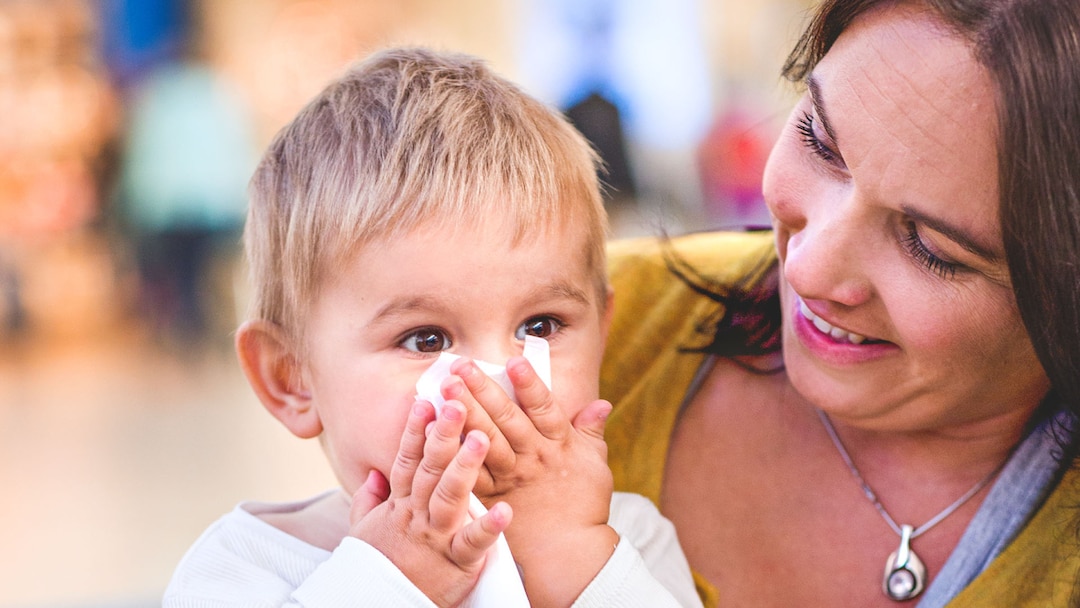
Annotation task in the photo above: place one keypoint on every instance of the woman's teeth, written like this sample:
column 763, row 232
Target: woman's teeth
column 825, row 328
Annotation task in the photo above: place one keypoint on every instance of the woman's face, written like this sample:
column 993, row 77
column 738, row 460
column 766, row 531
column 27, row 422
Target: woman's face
column 898, row 308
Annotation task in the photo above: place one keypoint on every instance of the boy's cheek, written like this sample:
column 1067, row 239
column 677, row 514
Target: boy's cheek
column 576, row 383
column 368, row 436
column 354, row 472
column 574, row 400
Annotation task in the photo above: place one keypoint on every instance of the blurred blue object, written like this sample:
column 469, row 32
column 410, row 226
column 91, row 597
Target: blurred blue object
column 139, row 35
column 646, row 57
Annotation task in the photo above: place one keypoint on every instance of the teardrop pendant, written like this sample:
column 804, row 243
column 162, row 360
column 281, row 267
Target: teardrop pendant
column 905, row 574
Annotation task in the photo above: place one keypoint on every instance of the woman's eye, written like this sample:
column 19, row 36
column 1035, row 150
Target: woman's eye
column 427, row 340
column 541, row 327
column 918, row 250
column 809, row 137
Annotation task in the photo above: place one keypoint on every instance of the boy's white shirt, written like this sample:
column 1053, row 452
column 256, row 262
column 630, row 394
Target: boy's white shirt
column 243, row 561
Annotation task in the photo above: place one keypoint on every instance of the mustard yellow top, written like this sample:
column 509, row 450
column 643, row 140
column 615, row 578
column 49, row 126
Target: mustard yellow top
column 646, row 377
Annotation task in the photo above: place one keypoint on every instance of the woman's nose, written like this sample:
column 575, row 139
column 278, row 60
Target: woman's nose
column 825, row 253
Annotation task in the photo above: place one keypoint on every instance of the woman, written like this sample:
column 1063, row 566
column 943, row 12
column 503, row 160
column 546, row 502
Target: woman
column 897, row 431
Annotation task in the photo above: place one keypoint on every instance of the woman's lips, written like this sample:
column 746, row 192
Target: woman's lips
column 835, row 345
column 837, row 333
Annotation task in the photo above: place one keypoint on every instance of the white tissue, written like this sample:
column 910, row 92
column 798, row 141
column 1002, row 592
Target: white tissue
column 536, row 352
column 500, row 583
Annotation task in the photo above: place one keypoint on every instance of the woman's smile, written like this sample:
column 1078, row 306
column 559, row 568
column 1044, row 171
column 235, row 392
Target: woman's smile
column 831, row 344
column 836, row 333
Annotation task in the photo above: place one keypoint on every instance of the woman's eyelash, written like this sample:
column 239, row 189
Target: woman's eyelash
column 805, row 127
column 917, row 249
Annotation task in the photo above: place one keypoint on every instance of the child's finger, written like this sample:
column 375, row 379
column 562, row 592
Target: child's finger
column 472, row 542
column 411, row 448
column 500, row 456
column 510, row 423
column 443, row 443
column 536, row 400
column 374, row 492
column 450, row 501
column 591, row 420
column 478, row 416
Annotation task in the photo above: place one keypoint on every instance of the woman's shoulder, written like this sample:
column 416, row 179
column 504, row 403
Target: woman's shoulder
column 718, row 254
column 1039, row 568
column 657, row 282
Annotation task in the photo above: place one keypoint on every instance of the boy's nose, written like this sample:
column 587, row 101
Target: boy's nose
column 495, row 352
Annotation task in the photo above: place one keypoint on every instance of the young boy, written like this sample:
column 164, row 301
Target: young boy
column 421, row 204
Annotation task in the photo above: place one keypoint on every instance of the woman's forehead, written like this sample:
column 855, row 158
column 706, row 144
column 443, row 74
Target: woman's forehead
column 913, row 113
column 904, row 64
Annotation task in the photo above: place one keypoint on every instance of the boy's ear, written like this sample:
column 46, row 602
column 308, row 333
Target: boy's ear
column 276, row 375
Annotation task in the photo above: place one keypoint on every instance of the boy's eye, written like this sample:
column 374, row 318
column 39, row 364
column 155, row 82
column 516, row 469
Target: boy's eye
column 541, row 327
column 427, row 340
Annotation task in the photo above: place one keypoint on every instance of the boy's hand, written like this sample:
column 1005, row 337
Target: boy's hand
column 552, row 471
column 417, row 520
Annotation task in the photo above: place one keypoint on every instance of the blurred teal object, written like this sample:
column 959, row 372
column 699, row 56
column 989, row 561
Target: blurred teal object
column 189, row 152
column 187, row 158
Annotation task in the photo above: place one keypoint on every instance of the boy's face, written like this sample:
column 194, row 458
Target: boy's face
column 382, row 318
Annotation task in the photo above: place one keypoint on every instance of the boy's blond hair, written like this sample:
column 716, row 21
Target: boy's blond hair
column 404, row 138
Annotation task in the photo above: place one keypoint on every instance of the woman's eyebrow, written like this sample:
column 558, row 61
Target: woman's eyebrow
column 819, row 108
column 955, row 234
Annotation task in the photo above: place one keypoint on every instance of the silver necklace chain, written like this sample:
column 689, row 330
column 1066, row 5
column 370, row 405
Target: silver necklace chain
column 935, row 520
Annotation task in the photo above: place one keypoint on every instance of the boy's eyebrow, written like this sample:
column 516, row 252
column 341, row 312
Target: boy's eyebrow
column 401, row 306
column 561, row 290
column 819, row 108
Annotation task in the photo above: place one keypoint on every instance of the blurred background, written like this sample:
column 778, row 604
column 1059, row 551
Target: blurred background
column 128, row 130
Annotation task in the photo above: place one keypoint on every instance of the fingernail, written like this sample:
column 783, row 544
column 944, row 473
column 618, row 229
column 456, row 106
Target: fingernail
column 418, row 408
column 473, row 443
column 604, row 413
column 453, row 388
column 373, row 478
column 450, row 412
column 466, row 369
column 517, row 365
column 498, row 514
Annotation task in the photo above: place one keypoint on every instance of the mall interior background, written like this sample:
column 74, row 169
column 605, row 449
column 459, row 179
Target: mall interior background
column 128, row 129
